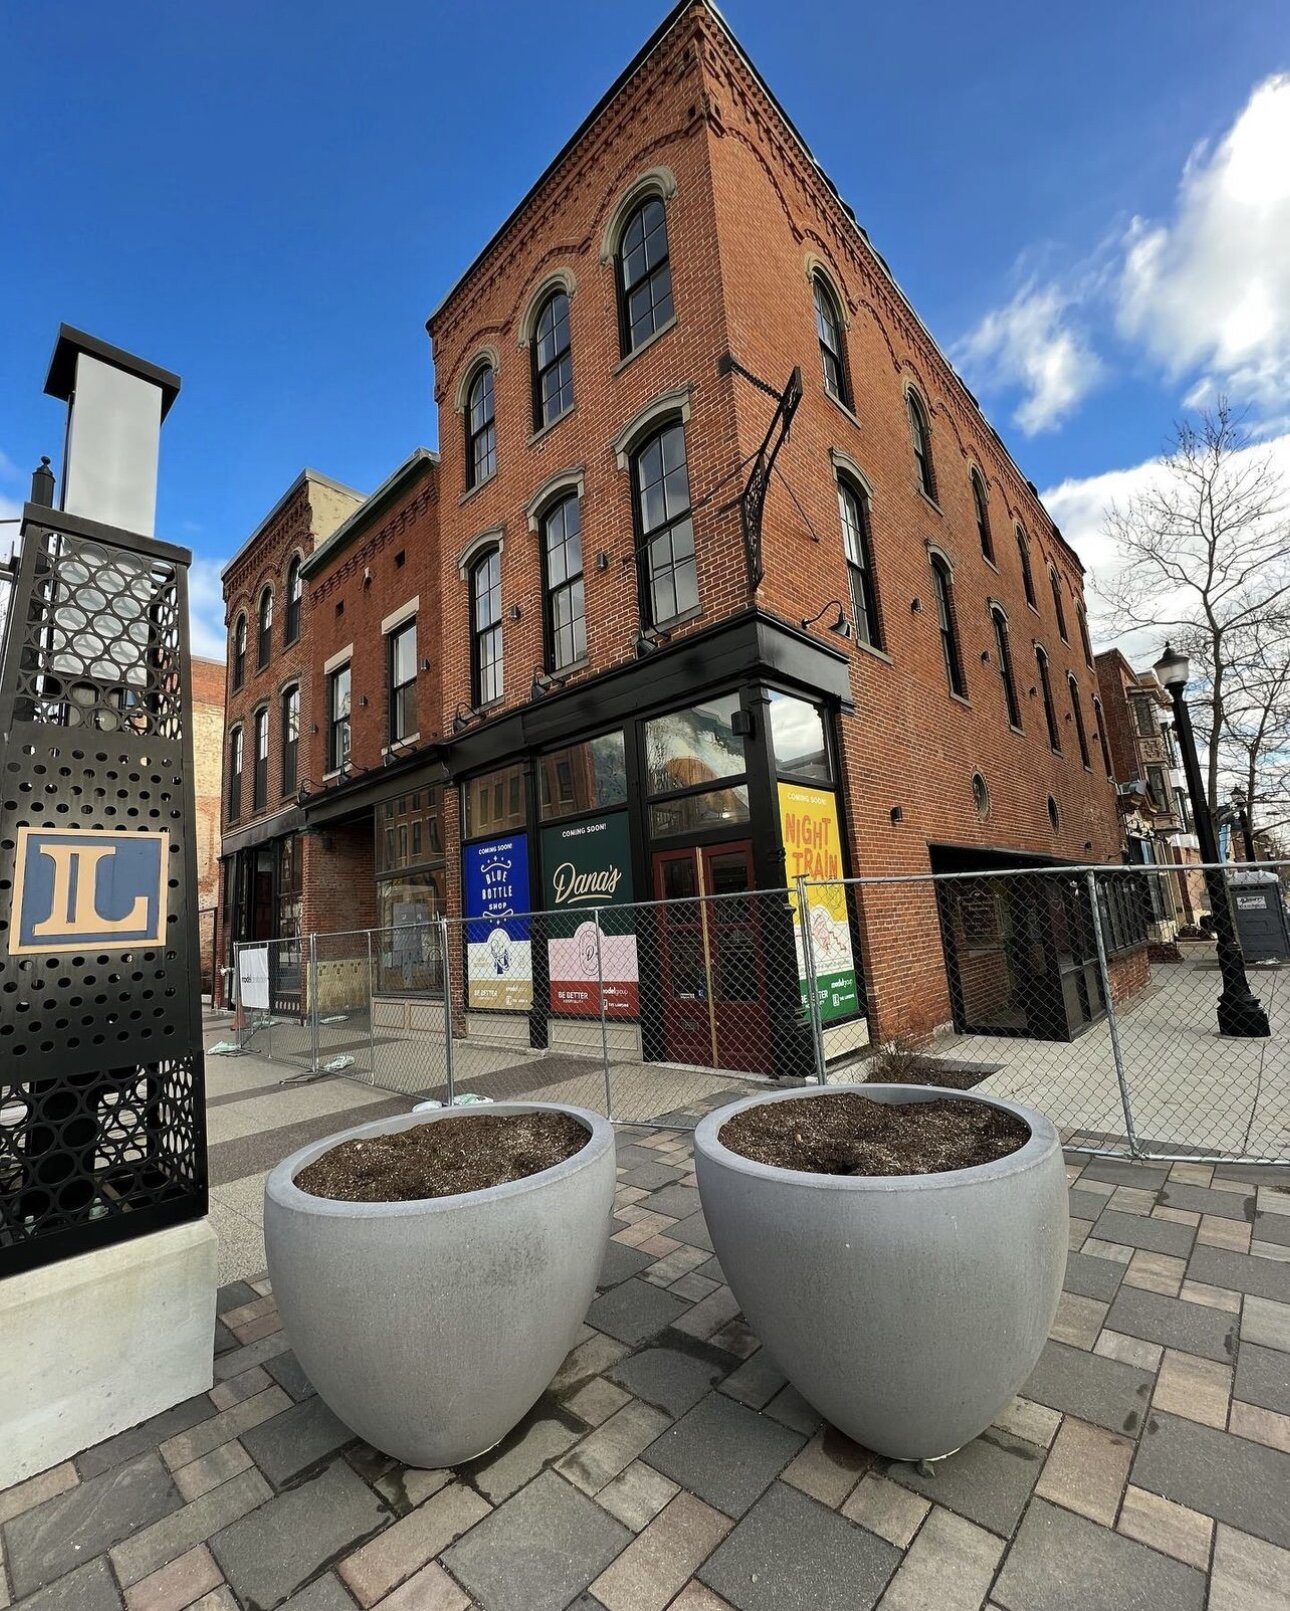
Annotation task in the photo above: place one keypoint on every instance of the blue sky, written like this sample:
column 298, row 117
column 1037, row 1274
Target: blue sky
column 1089, row 206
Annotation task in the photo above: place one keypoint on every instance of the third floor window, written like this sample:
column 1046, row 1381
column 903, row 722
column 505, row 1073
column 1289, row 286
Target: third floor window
column 853, row 511
column 1050, row 711
column 1027, row 575
column 260, row 775
column 264, row 629
column 1003, row 655
column 1077, row 711
column 481, row 428
column 552, row 362
column 921, row 433
column 982, row 509
column 295, row 590
column 338, row 685
column 943, row 582
column 403, row 682
column 1054, row 581
column 566, row 622
column 644, row 275
column 239, row 652
column 828, row 327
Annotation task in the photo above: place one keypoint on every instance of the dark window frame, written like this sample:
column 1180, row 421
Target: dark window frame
column 558, row 364
column 289, row 703
column 655, row 274
column 401, row 706
column 339, row 731
column 264, row 628
column 920, row 430
column 861, row 582
column 1077, row 711
column 1100, row 716
column 1003, row 653
column 260, row 758
column 236, row 766
column 1046, row 691
column 833, row 345
column 980, row 503
column 1081, row 617
column 570, row 585
column 1027, row 573
column 239, row 651
column 293, row 594
column 487, row 648
column 1055, row 583
column 664, row 531
column 947, row 623
column 481, row 437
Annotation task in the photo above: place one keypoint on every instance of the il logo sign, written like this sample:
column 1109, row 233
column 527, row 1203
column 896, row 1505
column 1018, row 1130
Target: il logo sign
column 75, row 891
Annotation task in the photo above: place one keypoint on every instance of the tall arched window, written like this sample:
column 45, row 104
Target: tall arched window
column 943, row 581
column 1077, row 711
column 295, row 591
column 921, row 433
column 566, row 618
column 264, row 629
column 1100, row 719
column 235, row 753
column 1003, row 655
column 665, row 530
column 982, row 516
column 481, row 428
column 1050, row 713
column 853, row 510
column 290, row 738
column 828, row 327
column 552, row 361
column 644, row 275
column 1027, row 575
column 1081, row 615
column 239, row 652
column 1055, row 583
column 486, row 627
column 260, row 769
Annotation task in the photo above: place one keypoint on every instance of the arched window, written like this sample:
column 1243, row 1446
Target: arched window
column 1027, row 575
column 644, row 275
column 552, row 361
column 566, row 619
column 982, row 516
column 853, row 510
column 264, row 629
column 486, row 628
column 1003, row 655
column 665, row 530
column 1055, row 583
column 921, row 433
column 290, row 738
column 828, row 326
column 1077, row 711
column 239, row 652
column 943, row 581
column 1100, row 719
column 260, row 772
column 1081, row 615
column 295, row 591
column 235, row 750
column 1050, row 713
column 481, row 428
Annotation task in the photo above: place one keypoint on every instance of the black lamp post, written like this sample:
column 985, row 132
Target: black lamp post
column 1240, row 804
column 1240, row 1013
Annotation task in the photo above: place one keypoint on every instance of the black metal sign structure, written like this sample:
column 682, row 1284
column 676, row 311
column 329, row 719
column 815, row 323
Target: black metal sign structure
column 102, row 1121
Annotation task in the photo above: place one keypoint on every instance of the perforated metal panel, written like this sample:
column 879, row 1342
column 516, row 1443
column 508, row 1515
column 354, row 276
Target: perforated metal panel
column 101, row 1101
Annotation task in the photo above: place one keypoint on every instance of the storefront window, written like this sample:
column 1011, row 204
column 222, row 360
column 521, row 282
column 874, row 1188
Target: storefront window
column 691, row 813
column 687, row 748
column 409, row 830
column 409, row 949
column 496, row 801
column 797, row 739
column 583, row 777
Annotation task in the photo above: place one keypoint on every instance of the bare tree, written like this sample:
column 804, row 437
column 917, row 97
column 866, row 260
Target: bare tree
column 1203, row 556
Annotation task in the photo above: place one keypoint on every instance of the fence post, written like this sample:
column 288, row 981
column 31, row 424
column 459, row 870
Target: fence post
column 1104, row 973
column 449, row 1071
column 313, row 1002
column 604, row 1028
column 371, row 1030
column 812, row 989
column 271, row 970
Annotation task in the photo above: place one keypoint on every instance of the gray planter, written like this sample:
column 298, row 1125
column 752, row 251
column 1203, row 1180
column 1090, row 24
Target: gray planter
column 908, row 1309
column 432, row 1327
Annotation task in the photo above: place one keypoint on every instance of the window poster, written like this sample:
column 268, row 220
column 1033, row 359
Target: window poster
column 808, row 820
column 499, row 968
column 586, row 865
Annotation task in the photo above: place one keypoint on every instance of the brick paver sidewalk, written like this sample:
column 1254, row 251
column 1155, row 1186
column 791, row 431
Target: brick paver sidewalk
column 1146, row 1466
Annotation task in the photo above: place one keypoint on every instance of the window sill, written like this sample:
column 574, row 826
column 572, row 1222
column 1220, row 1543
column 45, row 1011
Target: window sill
column 644, row 346
column 673, row 622
column 930, row 502
column 400, row 743
column 334, row 772
column 838, row 403
column 1033, row 608
column 1019, row 731
column 571, row 670
column 479, row 486
column 991, row 563
column 870, row 649
column 961, row 699
column 545, row 430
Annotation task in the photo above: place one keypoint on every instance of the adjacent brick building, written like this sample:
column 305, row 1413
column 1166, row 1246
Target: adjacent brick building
column 617, row 663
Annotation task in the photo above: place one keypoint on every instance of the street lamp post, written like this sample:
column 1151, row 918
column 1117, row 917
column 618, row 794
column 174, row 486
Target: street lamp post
column 1240, row 1013
column 1240, row 804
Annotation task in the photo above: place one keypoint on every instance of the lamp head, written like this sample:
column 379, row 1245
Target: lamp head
column 1172, row 669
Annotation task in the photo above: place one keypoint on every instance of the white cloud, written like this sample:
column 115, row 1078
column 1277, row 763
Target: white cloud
column 1033, row 344
column 1208, row 293
column 206, row 609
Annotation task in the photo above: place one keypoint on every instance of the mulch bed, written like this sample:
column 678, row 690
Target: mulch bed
column 441, row 1158
column 848, row 1134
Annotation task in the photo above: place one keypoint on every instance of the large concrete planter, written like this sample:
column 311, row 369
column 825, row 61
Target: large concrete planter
column 908, row 1309
column 432, row 1327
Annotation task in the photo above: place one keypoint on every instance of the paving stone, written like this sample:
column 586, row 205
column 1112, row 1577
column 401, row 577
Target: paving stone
column 1215, row 1297
column 677, row 1202
column 657, row 1563
column 170, row 1537
column 595, row 1401
column 405, row 1487
column 636, row 1495
column 1232, row 1479
column 296, row 1439
column 693, row 1232
column 176, row 1584
column 224, row 1339
column 236, row 1360
column 141, row 1439
column 541, row 1437
column 988, row 1480
column 723, row 1452
column 829, row 1467
column 1147, row 1177
column 1263, row 1426
column 1086, row 1470
column 221, row 1599
column 590, row 1358
column 634, row 1310
column 1241, row 1272
column 42, row 1544
column 693, row 1288
column 1172, row 1529
column 1139, row 1230
column 1263, row 1377
column 1078, row 1320
column 1229, row 1233
column 234, row 1296
column 182, row 1449
column 270, row 1553
column 1104, row 1391
column 674, row 1375
column 1274, row 1228
column 1060, row 1560
column 710, row 1314
column 430, row 1589
column 537, row 1551
column 611, row 1448
column 90, row 1588
column 323, row 1594
column 1200, row 1389
column 620, row 1263
column 1266, row 1323
column 949, row 1568
column 394, row 1555
column 1129, row 1350
column 200, row 1476
column 650, row 1176
column 1035, row 1423
column 1248, row 1574
column 224, row 1395
column 756, row 1381
column 1086, row 1204
column 1092, row 1278
column 790, row 1409
column 36, row 1490
column 791, row 1554
column 1192, row 1328
column 885, row 1508
column 695, row 1596
column 1156, row 1272
column 1200, row 1200
column 287, row 1371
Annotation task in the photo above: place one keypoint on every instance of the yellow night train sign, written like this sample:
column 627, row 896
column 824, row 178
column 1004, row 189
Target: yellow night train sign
column 77, row 890
column 808, row 824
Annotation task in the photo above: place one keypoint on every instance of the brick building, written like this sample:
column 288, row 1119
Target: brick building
column 612, row 678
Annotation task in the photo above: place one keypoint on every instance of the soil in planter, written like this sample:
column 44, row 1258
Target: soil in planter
column 846, row 1134
column 468, row 1152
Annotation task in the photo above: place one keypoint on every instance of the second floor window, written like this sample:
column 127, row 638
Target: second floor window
column 295, row 590
column 1003, row 654
column 1100, row 718
column 235, row 743
column 486, row 628
column 239, row 651
column 1054, row 581
column 644, row 275
column 481, row 428
column 1027, row 575
column 982, row 516
column 1077, row 711
column 921, row 433
column 290, row 740
column 260, row 776
column 828, row 327
column 1050, row 712
column 552, row 362
column 943, row 581
column 853, row 510
column 566, row 621
column 403, row 682
column 665, row 534
column 264, row 629
column 338, row 718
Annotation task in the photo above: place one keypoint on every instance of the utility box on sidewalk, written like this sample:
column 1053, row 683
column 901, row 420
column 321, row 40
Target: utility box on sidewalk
column 1260, row 910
